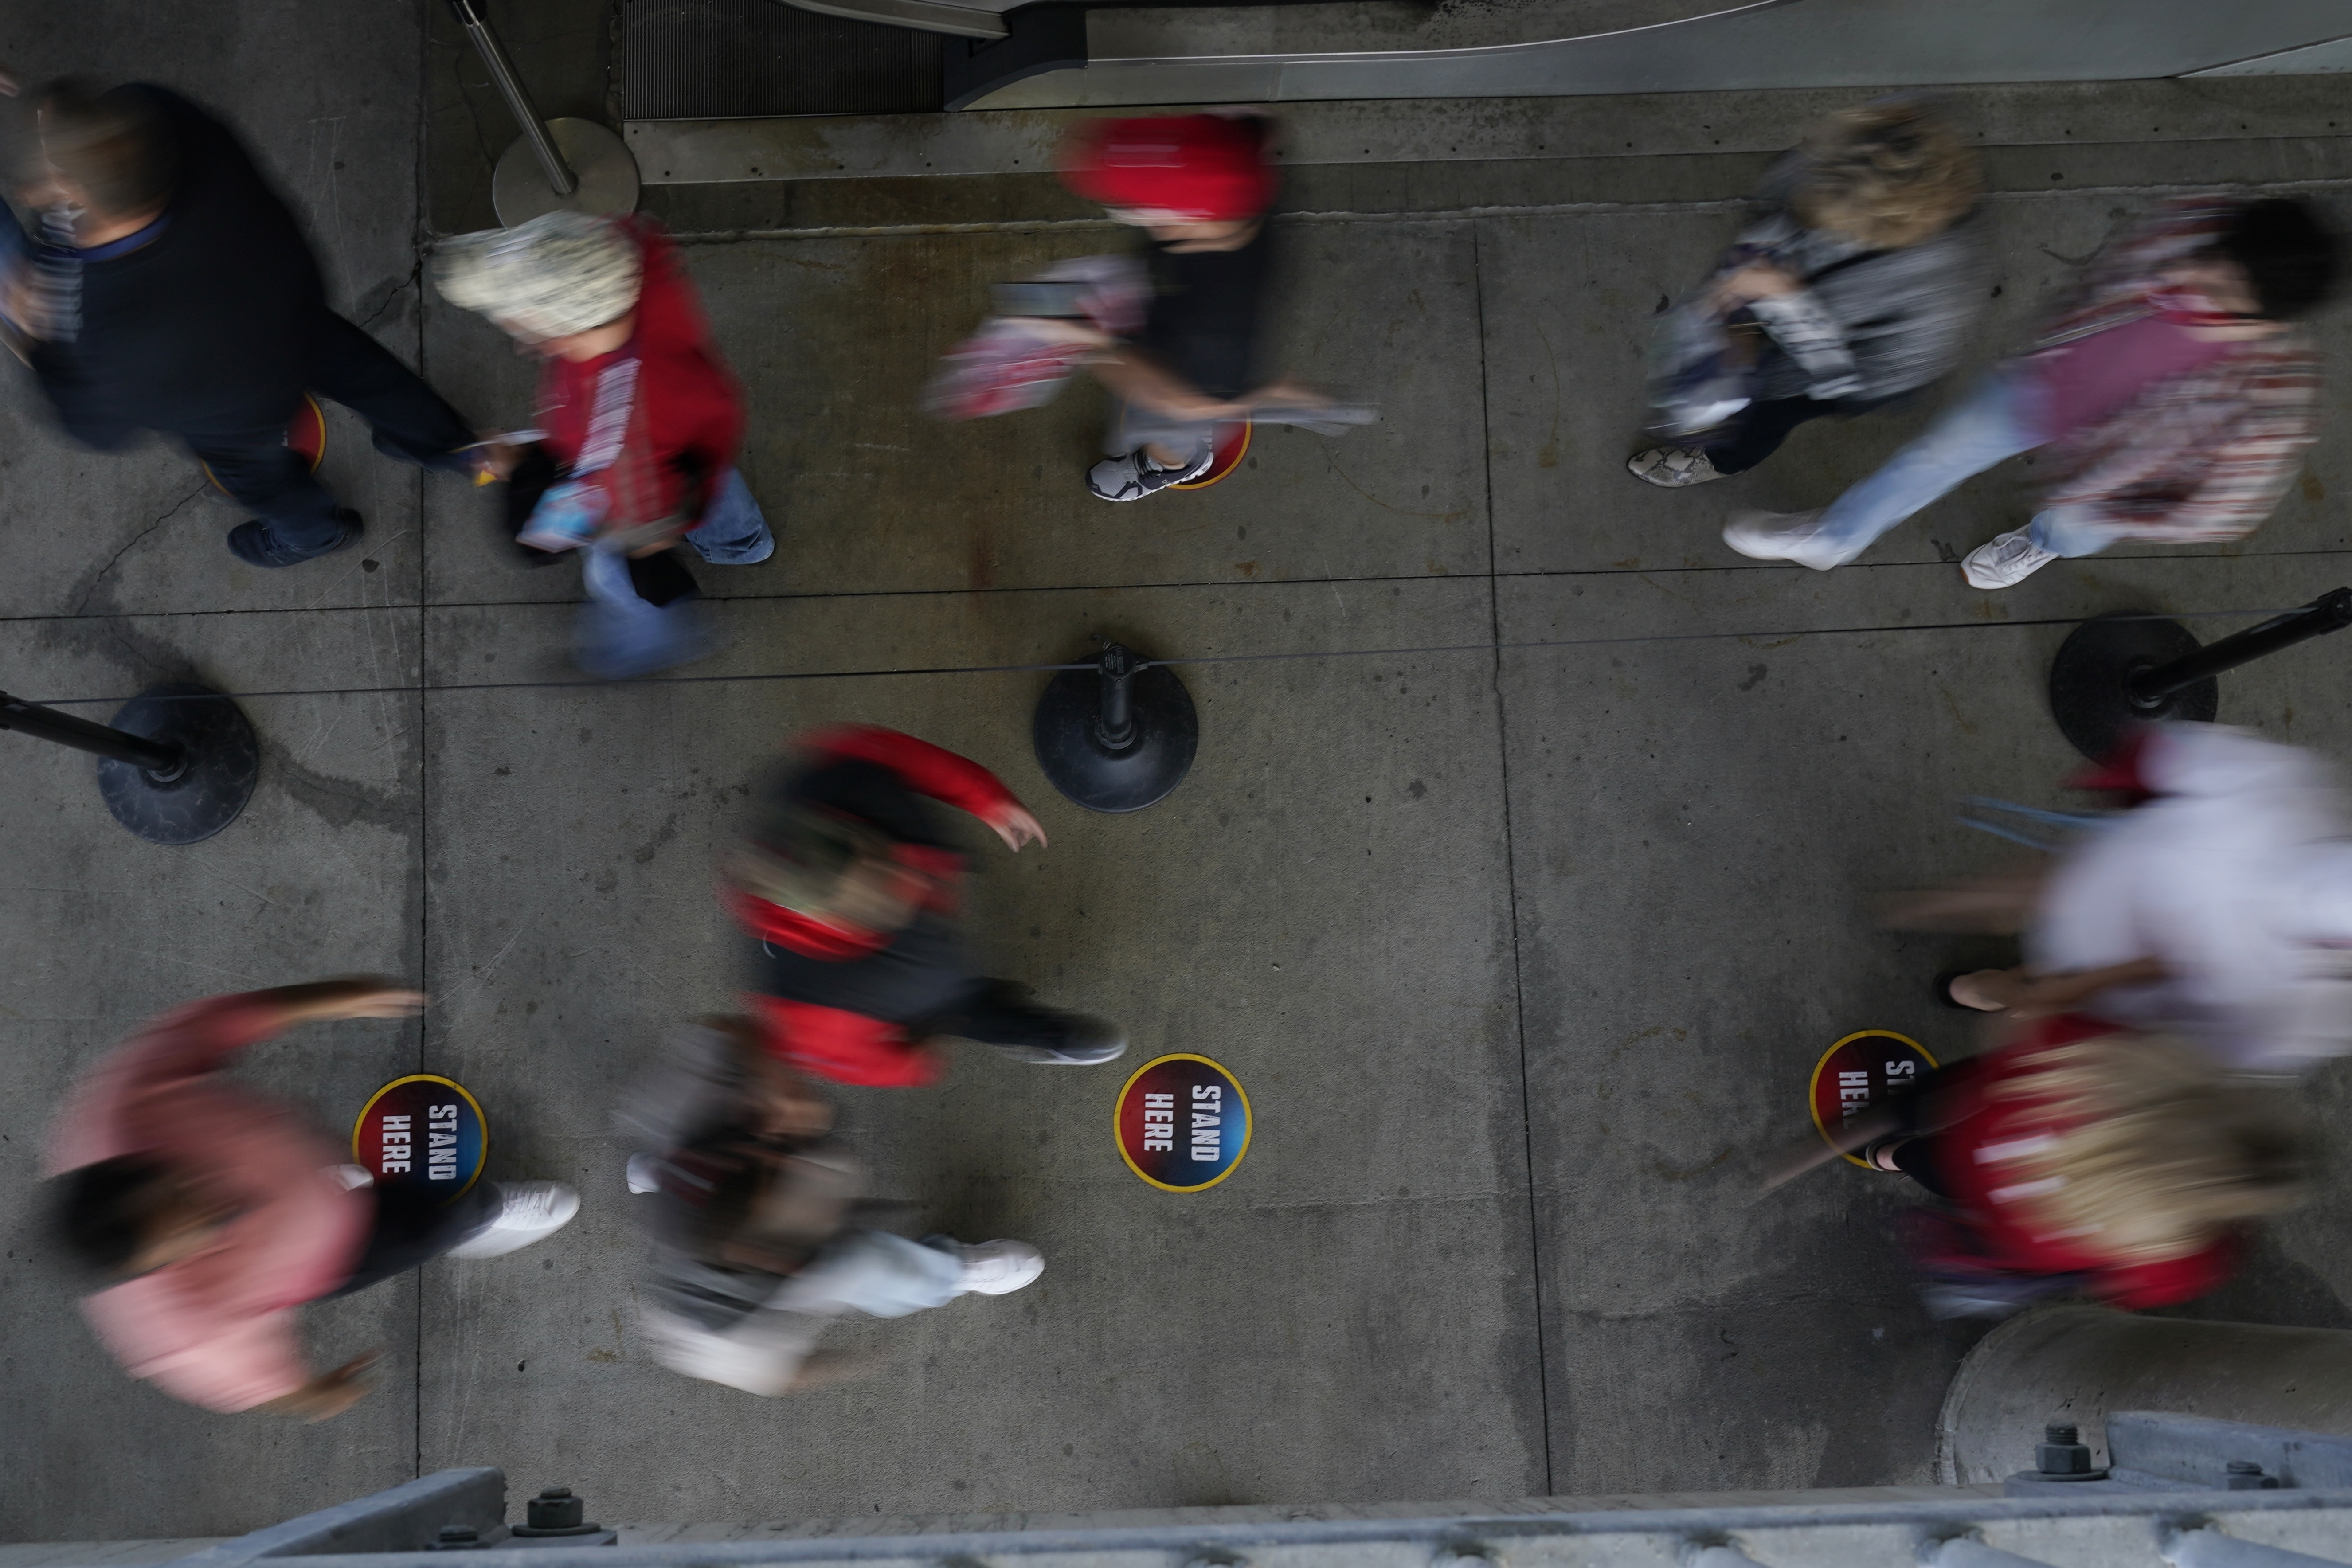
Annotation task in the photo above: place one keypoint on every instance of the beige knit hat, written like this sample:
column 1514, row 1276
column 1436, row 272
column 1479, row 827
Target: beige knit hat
column 560, row 273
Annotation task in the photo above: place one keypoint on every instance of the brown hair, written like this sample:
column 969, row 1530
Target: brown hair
column 2164, row 1153
column 1886, row 175
column 114, row 145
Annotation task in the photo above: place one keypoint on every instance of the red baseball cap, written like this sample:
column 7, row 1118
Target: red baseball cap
column 1172, row 168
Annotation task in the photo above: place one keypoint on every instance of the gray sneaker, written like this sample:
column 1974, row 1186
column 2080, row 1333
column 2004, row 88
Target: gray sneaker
column 1673, row 467
column 1135, row 475
column 2005, row 561
column 1783, row 536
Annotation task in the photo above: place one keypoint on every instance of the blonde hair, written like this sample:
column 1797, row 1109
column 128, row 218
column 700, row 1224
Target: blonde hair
column 2164, row 1150
column 1886, row 175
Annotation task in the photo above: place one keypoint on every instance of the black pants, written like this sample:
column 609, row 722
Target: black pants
column 413, row 1226
column 410, row 421
column 1761, row 428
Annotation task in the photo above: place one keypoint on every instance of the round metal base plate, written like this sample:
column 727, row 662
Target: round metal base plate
column 1167, row 733
column 224, row 761
column 2088, row 694
column 607, row 171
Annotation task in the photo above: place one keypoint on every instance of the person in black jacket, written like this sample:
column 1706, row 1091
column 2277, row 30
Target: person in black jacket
column 171, row 289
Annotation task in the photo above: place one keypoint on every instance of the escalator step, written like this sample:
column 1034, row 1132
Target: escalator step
column 716, row 60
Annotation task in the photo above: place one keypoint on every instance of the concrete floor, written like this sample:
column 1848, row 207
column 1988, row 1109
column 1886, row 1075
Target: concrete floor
column 1523, row 953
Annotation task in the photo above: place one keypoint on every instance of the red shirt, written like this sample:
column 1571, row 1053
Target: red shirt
column 216, row 1329
column 833, row 1042
column 686, row 422
column 1977, row 1161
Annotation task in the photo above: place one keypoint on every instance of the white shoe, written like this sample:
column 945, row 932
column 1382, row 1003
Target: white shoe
column 644, row 1173
column 1135, row 475
column 1673, row 467
column 528, row 1211
column 999, row 1268
column 1783, row 536
column 2005, row 561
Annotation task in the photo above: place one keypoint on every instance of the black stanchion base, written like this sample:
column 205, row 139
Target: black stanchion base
column 224, row 761
column 2089, row 693
column 1166, row 732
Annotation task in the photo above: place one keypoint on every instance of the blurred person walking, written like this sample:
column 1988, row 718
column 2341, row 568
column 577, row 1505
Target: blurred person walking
column 210, row 1213
column 847, row 882
column 757, row 1223
column 1855, row 286
column 171, row 290
column 2174, row 394
column 2218, row 905
column 1199, row 186
column 2082, row 1160
column 643, row 422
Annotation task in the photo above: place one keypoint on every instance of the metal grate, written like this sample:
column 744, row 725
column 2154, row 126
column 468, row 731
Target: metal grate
column 718, row 60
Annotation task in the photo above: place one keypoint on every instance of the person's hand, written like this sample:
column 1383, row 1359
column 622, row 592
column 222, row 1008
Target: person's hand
column 359, row 996
column 497, row 455
column 329, row 1394
column 1018, row 827
column 1756, row 280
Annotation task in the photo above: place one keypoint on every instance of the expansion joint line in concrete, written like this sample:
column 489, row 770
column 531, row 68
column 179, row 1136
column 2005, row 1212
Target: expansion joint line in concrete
column 1447, row 214
column 1511, row 884
column 1490, row 646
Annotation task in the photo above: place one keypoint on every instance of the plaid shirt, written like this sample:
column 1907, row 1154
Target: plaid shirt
column 2205, row 455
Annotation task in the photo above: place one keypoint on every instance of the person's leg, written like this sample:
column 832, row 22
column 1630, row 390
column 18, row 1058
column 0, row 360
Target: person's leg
column 1000, row 1013
column 411, row 1225
column 2070, row 531
column 410, row 420
column 2055, row 534
column 640, row 617
column 298, row 518
column 1760, row 431
column 733, row 532
column 1993, row 422
column 877, row 1273
column 1149, row 452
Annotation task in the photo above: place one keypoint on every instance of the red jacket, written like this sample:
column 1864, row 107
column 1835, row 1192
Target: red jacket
column 687, row 422
column 1985, row 1189
column 836, row 1043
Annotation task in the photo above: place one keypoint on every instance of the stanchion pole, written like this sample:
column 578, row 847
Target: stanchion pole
column 580, row 165
column 1119, row 735
column 2128, row 668
column 177, row 766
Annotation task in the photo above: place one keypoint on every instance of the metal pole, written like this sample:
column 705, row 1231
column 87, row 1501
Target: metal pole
column 158, row 760
column 2331, row 612
column 1115, row 726
column 519, row 103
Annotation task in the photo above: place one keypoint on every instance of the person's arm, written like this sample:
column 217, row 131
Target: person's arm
column 936, row 772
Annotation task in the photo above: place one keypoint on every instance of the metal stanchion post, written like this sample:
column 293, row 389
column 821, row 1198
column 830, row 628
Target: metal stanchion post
column 177, row 766
column 1118, row 736
column 553, row 164
column 2123, row 668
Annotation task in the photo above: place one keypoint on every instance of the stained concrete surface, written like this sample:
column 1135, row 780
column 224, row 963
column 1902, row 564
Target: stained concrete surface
column 1522, row 952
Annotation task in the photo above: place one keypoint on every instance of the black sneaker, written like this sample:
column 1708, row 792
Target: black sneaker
column 253, row 544
column 1006, row 1018
column 1135, row 475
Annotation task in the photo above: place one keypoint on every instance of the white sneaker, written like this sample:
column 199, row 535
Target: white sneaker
column 1135, row 475
column 1673, row 467
column 1783, row 536
column 528, row 1211
column 644, row 1173
column 999, row 1268
column 2005, row 561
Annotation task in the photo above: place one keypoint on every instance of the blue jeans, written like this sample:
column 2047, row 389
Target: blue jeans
column 2000, row 417
column 732, row 531
column 622, row 636
column 877, row 1273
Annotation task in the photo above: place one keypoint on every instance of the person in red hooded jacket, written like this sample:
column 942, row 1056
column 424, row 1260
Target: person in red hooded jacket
column 847, row 882
column 642, row 423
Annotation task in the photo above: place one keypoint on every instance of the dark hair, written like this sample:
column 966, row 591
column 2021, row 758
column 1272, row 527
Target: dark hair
column 101, row 1213
column 2288, row 254
column 115, row 145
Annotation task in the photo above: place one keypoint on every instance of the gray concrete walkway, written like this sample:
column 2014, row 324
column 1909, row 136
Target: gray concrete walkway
column 1521, row 952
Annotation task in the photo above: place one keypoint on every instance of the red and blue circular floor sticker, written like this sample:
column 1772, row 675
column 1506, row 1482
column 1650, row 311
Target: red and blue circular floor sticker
column 423, row 1130
column 1182, row 1124
column 1866, row 1069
